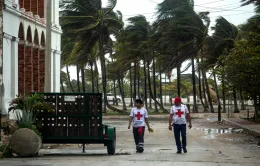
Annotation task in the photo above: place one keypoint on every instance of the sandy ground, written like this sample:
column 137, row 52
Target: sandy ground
column 209, row 143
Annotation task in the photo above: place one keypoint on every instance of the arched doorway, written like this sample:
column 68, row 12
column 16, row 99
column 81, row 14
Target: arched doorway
column 21, row 60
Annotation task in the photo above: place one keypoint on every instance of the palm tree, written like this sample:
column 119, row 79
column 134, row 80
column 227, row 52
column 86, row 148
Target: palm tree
column 242, row 59
column 92, row 24
column 181, row 32
column 63, row 79
column 67, row 45
column 136, row 34
column 217, row 45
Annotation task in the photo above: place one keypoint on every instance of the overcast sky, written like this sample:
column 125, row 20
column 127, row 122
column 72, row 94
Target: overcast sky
column 229, row 9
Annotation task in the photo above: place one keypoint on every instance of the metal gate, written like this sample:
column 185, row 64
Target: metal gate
column 76, row 117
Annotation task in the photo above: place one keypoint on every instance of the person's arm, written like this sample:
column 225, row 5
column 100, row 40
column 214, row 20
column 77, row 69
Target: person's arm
column 130, row 121
column 146, row 119
column 188, row 117
column 131, row 118
column 189, row 120
column 170, row 119
column 147, row 123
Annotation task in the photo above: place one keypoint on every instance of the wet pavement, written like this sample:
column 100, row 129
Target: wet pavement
column 253, row 128
column 209, row 144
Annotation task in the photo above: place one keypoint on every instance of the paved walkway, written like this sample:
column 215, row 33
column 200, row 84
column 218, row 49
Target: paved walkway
column 253, row 128
column 205, row 148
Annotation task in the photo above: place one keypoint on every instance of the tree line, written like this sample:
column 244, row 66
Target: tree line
column 140, row 55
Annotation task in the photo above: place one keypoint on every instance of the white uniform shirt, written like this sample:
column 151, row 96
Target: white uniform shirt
column 139, row 116
column 179, row 114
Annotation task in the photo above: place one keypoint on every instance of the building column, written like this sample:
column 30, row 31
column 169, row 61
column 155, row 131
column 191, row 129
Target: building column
column 35, row 63
column 41, row 68
column 52, row 71
column 56, row 71
column 28, row 68
column 14, row 67
column 7, row 72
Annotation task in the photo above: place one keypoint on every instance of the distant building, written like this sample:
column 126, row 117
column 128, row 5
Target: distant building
column 188, row 77
column 24, row 45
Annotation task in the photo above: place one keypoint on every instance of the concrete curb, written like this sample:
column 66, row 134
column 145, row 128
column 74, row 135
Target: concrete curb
column 245, row 127
column 166, row 116
column 126, row 117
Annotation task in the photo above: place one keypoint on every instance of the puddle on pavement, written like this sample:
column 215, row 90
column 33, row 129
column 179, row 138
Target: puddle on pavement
column 211, row 133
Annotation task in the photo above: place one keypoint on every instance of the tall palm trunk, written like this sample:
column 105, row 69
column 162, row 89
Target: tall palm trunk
column 236, row 110
column 83, row 78
column 200, row 90
column 204, row 91
column 121, row 90
column 149, row 85
column 151, row 93
column 62, row 86
column 97, row 76
column 178, row 80
column 219, row 103
column 68, row 75
column 78, row 79
column 138, row 82
column 92, row 78
column 102, row 57
column 131, row 87
column 223, row 92
column 145, row 87
column 195, row 107
column 208, row 92
column 135, row 66
column 242, row 100
column 114, row 84
column 256, row 99
column 154, row 86
column 161, row 98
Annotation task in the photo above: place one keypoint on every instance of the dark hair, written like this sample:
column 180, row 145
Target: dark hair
column 139, row 101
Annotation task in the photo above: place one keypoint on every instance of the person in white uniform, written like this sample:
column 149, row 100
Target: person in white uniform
column 179, row 115
column 139, row 117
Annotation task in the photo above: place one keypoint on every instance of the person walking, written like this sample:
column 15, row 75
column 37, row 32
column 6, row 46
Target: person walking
column 179, row 115
column 139, row 117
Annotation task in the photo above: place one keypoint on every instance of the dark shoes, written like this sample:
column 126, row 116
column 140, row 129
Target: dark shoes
column 140, row 150
column 184, row 150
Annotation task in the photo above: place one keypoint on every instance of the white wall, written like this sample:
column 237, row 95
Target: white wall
column 10, row 54
column 12, row 18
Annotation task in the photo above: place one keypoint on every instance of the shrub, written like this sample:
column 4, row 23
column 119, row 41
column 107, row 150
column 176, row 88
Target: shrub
column 5, row 151
column 26, row 109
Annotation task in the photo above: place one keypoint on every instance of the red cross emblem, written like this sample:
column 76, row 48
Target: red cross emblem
column 138, row 116
column 179, row 113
